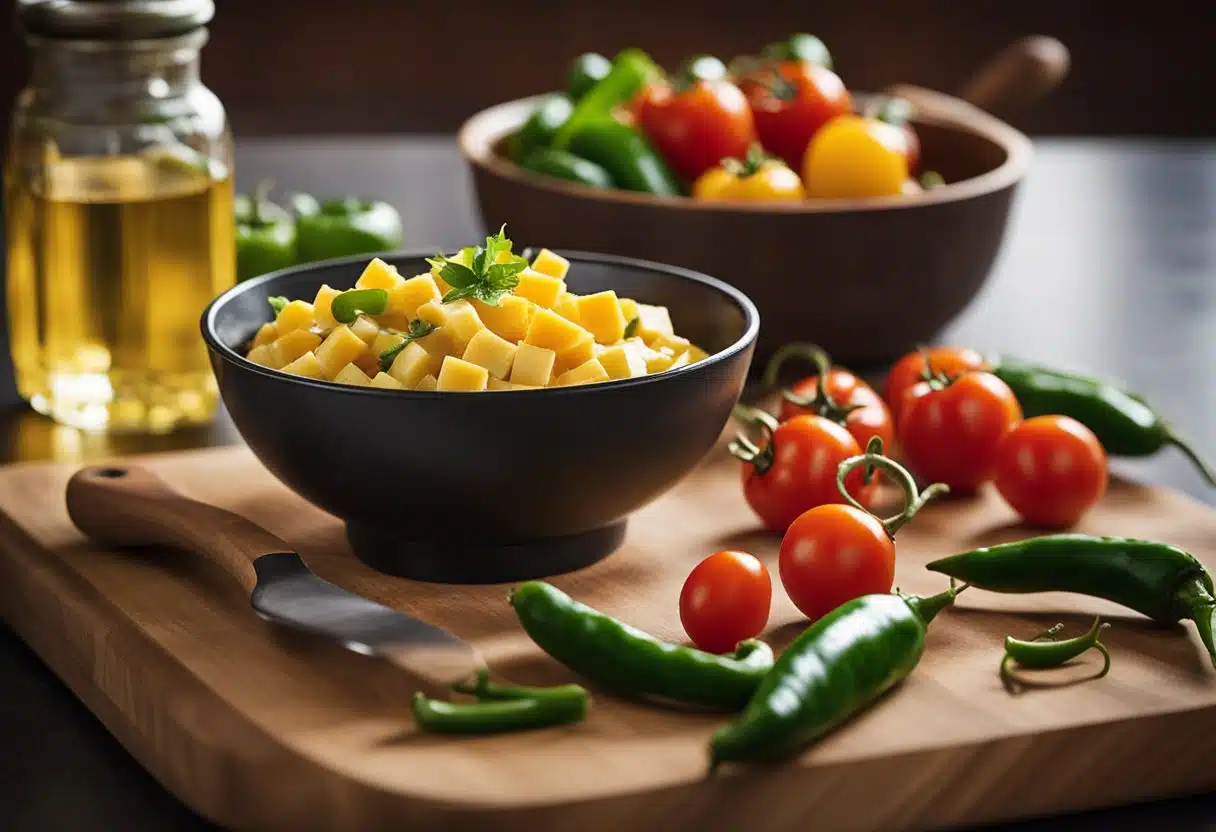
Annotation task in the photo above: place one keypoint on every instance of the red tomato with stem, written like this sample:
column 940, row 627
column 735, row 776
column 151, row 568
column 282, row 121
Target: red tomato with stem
column 725, row 600
column 695, row 124
column 835, row 553
column 794, row 468
column 1051, row 470
column 790, row 102
column 949, row 431
column 910, row 369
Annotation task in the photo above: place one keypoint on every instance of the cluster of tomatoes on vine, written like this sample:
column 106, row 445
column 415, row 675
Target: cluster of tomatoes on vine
column 810, row 476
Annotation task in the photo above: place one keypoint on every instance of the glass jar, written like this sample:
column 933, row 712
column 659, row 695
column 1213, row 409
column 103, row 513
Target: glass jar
column 118, row 214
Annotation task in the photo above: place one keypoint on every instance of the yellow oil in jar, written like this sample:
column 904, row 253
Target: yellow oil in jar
column 110, row 263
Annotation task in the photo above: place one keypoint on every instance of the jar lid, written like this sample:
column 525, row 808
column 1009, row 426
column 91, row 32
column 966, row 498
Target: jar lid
column 113, row 19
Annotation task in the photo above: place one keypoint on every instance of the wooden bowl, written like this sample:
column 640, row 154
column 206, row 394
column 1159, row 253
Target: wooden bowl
column 866, row 279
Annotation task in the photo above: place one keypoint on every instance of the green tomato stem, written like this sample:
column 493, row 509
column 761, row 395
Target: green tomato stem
column 744, row 449
column 914, row 500
column 1183, row 444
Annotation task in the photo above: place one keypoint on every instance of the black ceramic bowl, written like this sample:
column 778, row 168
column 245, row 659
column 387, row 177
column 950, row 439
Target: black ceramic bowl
column 495, row 486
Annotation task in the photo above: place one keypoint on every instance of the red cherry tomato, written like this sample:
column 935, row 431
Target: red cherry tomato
column 950, row 435
column 725, row 600
column 1051, row 470
column 910, row 369
column 696, row 126
column 833, row 554
column 796, row 470
column 871, row 419
column 791, row 102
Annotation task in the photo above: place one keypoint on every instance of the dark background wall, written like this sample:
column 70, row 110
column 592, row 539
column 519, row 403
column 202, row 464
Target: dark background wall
column 307, row 66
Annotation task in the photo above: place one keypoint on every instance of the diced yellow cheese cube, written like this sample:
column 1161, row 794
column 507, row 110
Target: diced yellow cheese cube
column 443, row 340
column 379, row 275
column 295, row 315
column 340, row 347
column 653, row 321
column 306, row 365
column 487, row 350
column 682, row 360
column 499, row 384
column 623, row 361
column 509, row 319
column 541, row 289
column 369, row 363
column 550, row 330
column 462, row 323
column 405, row 298
column 412, row 363
column 586, row 373
column 290, row 346
column 459, row 375
column 673, row 344
column 600, row 314
column 366, row 329
column 533, row 365
column 567, row 307
column 321, row 307
column 629, row 308
column 385, row 341
column 656, row 362
column 350, row 374
column 387, row 382
column 433, row 312
column 582, row 351
column 696, row 354
column 551, row 264
column 266, row 334
column 265, row 356
column 426, row 383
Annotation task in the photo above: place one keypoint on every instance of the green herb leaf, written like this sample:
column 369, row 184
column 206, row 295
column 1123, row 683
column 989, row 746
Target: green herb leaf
column 461, row 293
column 494, row 245
column 277, row 303
column 418, row 329
column 355, row 302
column 479, row 260
column 453, row 273
column 486, row 279
column 631, row 328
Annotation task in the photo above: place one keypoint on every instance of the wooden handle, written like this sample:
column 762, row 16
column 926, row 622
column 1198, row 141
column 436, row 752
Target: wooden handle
column 123, row 505
column 1018, row 75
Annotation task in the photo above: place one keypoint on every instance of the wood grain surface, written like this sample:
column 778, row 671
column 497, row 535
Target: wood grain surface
column 254, row 728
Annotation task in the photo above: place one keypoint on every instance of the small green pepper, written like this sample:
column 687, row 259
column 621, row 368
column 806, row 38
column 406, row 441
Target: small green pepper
column 265, row 235
column 1041, row 653
column 344, row 226
column 632, row 69
column 630, row 160
column 632, row 662
column 800, row 47
column 540, row 128
column 586, row 71
column 500, row 709
column 561, row 164
column 349, row 305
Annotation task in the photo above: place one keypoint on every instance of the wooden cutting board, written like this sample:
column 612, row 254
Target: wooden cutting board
column 254, row 728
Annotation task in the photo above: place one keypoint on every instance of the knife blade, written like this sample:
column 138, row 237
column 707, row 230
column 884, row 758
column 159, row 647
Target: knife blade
column 122, row 505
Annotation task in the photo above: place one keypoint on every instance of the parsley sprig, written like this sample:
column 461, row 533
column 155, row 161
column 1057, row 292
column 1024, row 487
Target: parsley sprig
column 485, row 278
column 418, row 329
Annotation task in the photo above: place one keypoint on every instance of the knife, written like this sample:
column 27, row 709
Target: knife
column 120, row 505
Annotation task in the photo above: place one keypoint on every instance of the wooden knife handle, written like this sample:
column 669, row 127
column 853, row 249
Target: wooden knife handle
column 125, row 505
column 1019, row 75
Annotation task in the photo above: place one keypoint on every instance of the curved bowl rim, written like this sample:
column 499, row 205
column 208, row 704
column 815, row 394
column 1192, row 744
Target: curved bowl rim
column 750, row 313
column 481, row 131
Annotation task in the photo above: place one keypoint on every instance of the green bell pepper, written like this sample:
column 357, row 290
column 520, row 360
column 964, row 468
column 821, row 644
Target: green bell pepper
column 631, row 70
column 564, row 165
column 265, row 235
column 586, row 71
column 343, row 226
column 540, row 128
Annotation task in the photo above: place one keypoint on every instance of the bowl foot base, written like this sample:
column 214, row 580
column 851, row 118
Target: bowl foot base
column 459, row 563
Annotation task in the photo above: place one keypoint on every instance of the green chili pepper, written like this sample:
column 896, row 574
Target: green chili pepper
column 340, row 227
column 355, row 302
column 800, row 47
column 265, row 235
column 838, row 666
column 1160, row 581
column 630, row 160
column 557, row 706
column 631, row 70
column 487, row 691
column 586, row 71
column 540, row 128
column 1123, row 422
column 562, row 164
column 632, row 662
column 1041, row 653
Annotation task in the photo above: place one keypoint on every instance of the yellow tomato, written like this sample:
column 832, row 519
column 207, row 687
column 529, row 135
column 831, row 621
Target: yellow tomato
column 770, row 180
column 853, row 157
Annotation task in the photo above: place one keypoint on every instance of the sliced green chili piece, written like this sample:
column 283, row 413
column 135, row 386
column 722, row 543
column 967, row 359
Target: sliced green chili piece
column 1041, row 653
column 500, row 716
column 486, row 691
column 355, row 302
